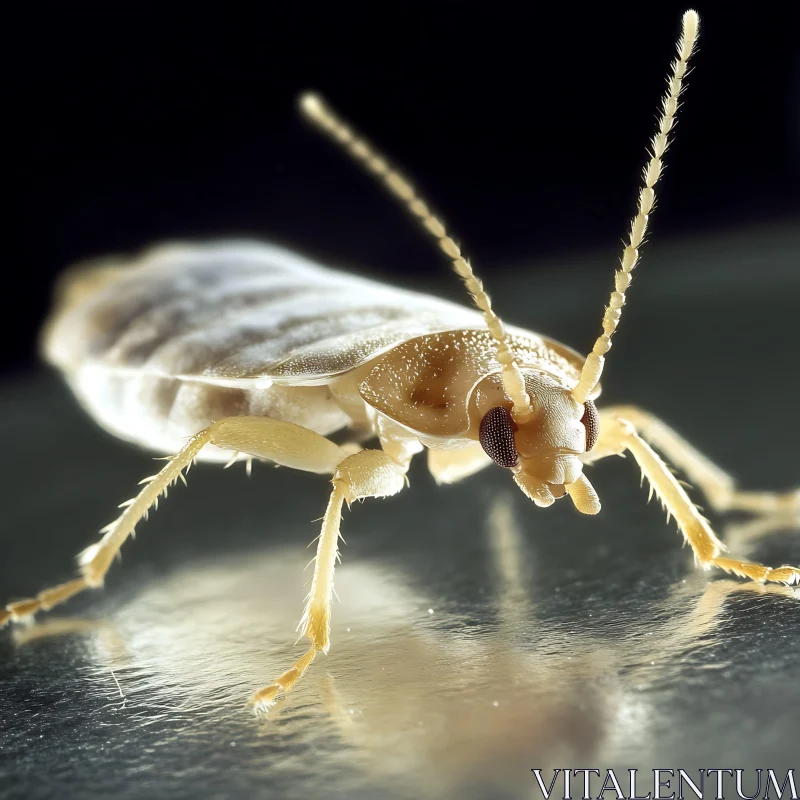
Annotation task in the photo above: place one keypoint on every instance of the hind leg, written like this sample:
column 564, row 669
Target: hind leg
column 281, row 442
column 716, row 484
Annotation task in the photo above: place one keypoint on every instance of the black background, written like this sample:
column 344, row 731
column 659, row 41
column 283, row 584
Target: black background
column 525, row 123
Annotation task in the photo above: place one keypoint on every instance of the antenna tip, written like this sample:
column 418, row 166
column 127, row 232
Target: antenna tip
column 310, row 105
column 691, row 23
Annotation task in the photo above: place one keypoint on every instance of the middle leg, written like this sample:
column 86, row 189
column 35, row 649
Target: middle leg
column 370, row 473
column 715, row 483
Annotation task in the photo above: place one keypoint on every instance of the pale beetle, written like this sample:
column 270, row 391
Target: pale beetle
column 238, row 350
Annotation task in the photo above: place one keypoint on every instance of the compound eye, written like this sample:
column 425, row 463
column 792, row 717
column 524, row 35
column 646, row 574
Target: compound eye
column 497, row 437
column 591, row 421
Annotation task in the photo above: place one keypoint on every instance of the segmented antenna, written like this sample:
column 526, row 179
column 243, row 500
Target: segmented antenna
column 593, row 368
column 363, row 153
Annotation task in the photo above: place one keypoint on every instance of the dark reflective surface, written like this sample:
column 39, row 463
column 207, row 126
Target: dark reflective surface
column 477, row 637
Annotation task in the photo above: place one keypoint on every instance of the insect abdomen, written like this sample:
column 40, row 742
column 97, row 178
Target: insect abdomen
column 163, row 346
column 159, row 413
column 233, row 311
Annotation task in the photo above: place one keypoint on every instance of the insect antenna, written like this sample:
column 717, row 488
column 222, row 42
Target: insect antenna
column 317, row 111
column 593, row 368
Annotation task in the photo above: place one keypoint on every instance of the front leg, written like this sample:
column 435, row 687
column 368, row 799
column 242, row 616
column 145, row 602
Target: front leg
column 370, row 473
column 618, row 435
column 715, row 483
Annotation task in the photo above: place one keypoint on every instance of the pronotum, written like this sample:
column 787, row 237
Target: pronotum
column 239, row 350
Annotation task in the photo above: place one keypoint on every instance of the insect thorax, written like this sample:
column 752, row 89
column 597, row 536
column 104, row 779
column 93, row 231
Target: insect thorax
column 438, row 385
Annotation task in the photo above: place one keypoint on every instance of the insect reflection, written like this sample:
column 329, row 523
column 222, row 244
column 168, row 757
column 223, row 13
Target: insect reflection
column 448, row 703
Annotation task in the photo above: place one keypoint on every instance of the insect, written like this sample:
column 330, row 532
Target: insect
column 251, row 351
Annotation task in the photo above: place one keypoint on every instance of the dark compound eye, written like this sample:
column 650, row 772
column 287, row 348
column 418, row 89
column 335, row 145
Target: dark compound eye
column 497, row 437
column 591, row 421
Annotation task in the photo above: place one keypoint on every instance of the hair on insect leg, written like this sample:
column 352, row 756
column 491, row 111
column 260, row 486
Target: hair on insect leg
column 283, row 442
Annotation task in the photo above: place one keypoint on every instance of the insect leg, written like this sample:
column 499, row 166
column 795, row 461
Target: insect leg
column 718, row 486
column 618, row 435
column 451, row 466
column 744, row 534
column 370, row 473
column 281, row 442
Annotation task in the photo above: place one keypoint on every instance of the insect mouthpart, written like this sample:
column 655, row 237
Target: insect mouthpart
column 565, row 478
